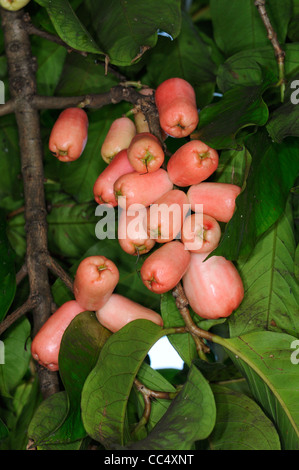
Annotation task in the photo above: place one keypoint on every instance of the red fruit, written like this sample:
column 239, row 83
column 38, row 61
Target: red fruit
column 118, row 138
column 145, row 153
column 164, row 268
column 96, row 278
column 192, row 163
column 46, row 344
column 176, row 104
column 213, row 287
column 103, row 188
column 69, row 134
column 134, row 188
column 166, row 216
column 216, row 199
column 200, row 233
column 132, row 235
column 119, row 311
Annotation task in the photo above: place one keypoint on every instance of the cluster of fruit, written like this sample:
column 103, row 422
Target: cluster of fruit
column 151, row 195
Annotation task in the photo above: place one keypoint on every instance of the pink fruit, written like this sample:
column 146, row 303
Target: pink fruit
column 132, row 235
column 176, row 104
column 96, row 278
column 164, row 268
column 200, row 233
column 118, row 137
column 103, row 188
column 119, row 311
column 145, row 153
column 46, row 344
column 134, row 188
column 214, row 288
column 69, row 134
column 166, row 215
column 192, row 163
column 217, row 199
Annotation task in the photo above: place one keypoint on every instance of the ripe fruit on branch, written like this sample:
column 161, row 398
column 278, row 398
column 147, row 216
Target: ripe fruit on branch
column 103, row 188
column 166, row 216
column 218, row 199
column 200, row 233
column 120, row 310
column 13, row 5
column 95, row 280
column 214, row 288
column 46, row 344
column 145, row 153
column 69, row 134
column 132, row 235
column 134, row 188
column 164, row 268
column 118, row 137
column 192, row 163
column 176, row 103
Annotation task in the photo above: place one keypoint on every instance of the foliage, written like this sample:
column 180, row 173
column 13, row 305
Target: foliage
column 245, row 396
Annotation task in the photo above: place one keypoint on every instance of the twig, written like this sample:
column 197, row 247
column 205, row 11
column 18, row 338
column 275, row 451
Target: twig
column 7, row 108
column 56, row 269
column 272, row 36
column 21, row 274
column 197, row 333
column 27, row 306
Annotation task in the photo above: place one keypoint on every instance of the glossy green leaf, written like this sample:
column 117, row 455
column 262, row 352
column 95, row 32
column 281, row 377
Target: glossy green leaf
column 68, row 26
column 240, row 423
column 80, row 347
column 135, row 26
column 107, row 388
column 271, row 291
column 190, row 417
column 48, row 416
column 272, row 174
column 7, row 270
column 16, row 355
column 265, row 359
column 240, row 107
column 238, row 26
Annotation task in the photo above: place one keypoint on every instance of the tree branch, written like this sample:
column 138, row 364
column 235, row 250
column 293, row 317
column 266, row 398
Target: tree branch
column 27, row 306
column 22, row 84
column 272, row 36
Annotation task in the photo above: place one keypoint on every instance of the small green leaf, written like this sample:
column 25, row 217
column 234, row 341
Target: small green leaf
column 7, row 270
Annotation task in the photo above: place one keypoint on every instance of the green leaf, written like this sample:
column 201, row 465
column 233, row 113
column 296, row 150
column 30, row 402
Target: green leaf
column 239, row 26
column 187, row 57
column 240, row 423
column 47, row 417
column 68, row 26
column 265, row 359
column 272, row 173
column 7, row 270
column 190, row 417
column 219, row 123
column 135, row 26
column 80, row 347
column 3, row 431
column 246, row 67
column 271, row 291
column 16, row 355
column 106, row 390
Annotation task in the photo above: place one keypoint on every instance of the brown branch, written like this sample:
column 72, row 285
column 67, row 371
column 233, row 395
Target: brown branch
column 198, row 334
column 272, row 36
column 27, row 306
column 21, row 274
column 7, row 108
column 22, row 84
column 56, row 269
